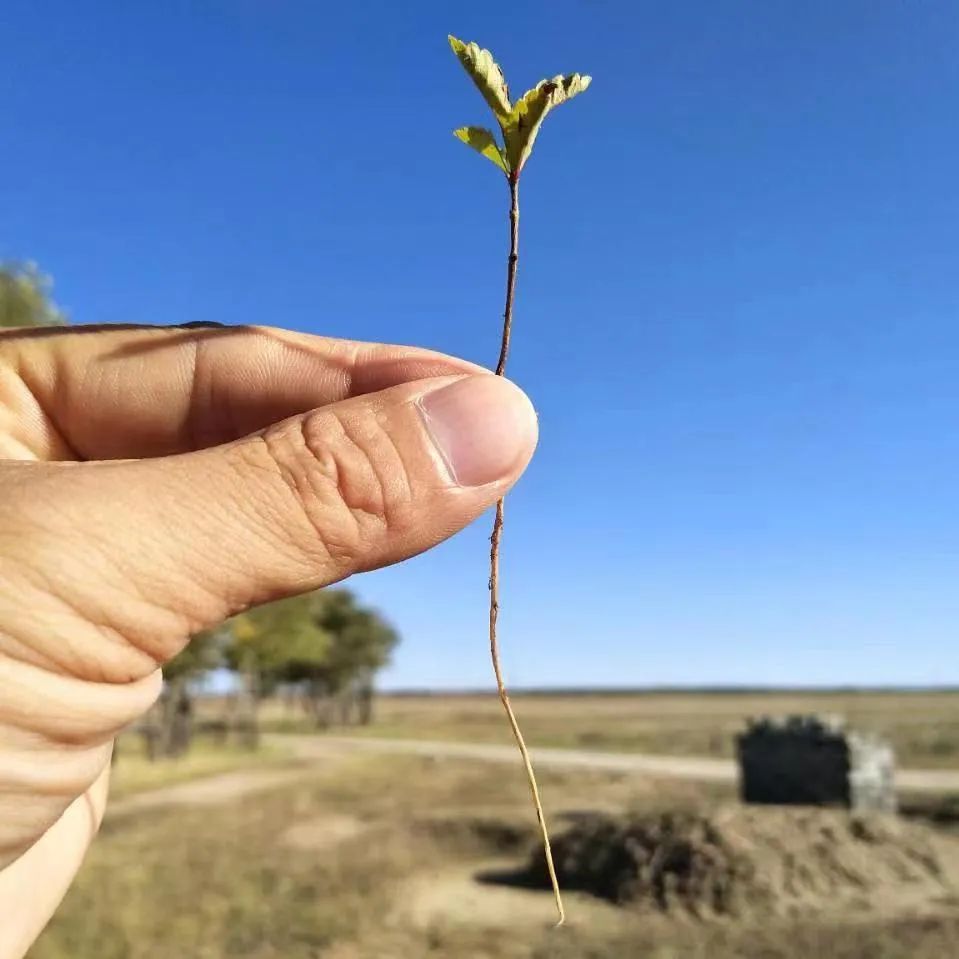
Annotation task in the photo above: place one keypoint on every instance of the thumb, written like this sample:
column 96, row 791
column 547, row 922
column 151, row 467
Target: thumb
column 158, row 549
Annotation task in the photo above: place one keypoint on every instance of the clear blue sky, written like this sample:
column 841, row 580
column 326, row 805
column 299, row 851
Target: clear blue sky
column 738, row 308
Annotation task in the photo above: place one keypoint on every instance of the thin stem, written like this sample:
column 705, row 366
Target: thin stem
column 494, row 556
column 510, row 274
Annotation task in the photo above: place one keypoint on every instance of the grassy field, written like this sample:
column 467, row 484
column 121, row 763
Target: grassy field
column 923, row 727
column 367, row 856
column 372, row 857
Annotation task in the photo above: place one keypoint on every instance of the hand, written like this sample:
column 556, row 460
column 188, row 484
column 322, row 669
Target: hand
column 153, row 482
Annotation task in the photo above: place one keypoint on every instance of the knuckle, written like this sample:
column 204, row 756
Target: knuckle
column 349, row 480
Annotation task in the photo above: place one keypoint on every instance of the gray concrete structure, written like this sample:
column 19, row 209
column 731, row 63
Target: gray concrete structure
column 815, row 761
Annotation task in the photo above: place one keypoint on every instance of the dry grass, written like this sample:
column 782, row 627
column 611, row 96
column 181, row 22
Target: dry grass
column 230, row 883
column 923, row 727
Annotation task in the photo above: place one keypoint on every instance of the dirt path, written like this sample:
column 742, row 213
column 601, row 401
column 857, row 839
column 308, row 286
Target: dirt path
column 698, row 769
column 208, row 791
column 310, row 750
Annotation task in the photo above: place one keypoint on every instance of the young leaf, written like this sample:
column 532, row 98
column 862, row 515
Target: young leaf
column 483, row 142
column 486, row 74
column 526, row 117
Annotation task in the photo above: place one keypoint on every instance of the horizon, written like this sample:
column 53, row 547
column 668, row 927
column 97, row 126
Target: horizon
column 718, row 690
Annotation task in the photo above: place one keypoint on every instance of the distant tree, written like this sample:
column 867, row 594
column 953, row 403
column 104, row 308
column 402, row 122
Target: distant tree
column 25, row 297
column 324, row 643
column 273, row 644
column 362, row 645
column 278, row 642
column 168, row 729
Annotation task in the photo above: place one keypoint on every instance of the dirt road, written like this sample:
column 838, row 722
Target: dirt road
column 206, row 791
column 692, row 768
column 306, row 751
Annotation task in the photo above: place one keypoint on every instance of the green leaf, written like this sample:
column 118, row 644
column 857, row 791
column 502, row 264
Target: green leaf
column 522, row 126
column 483, row 142
column 486, row 74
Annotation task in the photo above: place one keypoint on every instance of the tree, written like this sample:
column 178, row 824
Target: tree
column 271, row 644
column 168, row 730
column 324, row 643
column 25, row 297
column 362, row 644
column 278, row 642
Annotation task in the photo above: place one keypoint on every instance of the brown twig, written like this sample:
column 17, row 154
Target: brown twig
column 510, row 273
column 494, row 553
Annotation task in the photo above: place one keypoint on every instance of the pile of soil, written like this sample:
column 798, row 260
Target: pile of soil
column 765, row 861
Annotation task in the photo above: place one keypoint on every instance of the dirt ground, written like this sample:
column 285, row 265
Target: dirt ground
column 366, row 856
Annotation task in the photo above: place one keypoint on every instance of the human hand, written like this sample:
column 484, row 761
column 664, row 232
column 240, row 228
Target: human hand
column 155, row 481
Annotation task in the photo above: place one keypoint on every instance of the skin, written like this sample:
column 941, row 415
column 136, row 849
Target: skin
column 155, row 481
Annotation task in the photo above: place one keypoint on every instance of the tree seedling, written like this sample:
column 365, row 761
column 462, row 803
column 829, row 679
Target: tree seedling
column 519, row 124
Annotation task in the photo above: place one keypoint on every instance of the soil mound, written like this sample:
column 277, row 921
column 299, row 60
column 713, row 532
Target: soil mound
column 765, row 861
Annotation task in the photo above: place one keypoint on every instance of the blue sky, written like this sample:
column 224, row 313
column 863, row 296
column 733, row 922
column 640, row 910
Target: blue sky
column 737, row 308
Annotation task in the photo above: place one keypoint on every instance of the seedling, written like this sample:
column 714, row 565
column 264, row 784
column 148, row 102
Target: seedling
column 519, row 124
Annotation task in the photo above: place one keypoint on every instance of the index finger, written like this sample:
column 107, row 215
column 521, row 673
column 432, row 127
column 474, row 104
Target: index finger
column 130, row 392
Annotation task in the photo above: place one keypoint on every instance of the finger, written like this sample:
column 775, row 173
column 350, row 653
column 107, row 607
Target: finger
column 53, row 754
column 138, row 392
column 154, row 550
column 34, row 885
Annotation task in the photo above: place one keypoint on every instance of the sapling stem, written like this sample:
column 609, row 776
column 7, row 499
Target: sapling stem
column 511, row 265
column 519, row 123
